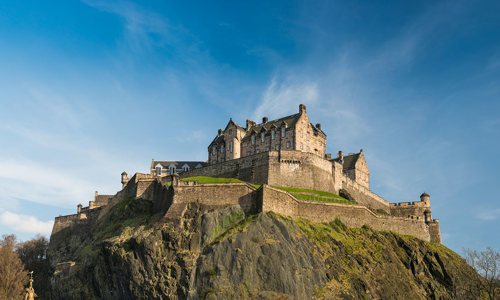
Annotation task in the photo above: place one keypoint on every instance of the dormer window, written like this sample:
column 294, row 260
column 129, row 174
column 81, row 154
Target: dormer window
column 283, row 133
column 185, row 168
column 158, row 171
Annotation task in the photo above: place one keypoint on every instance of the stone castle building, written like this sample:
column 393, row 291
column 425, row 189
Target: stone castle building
column 286, row 152
column 293, row 132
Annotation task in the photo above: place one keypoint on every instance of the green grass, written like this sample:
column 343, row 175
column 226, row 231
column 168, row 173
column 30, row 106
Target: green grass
column 300, row 190
column 206, row 179
column 323, row 199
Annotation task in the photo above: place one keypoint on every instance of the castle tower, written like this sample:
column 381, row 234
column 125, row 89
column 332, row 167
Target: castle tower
column 125, row 180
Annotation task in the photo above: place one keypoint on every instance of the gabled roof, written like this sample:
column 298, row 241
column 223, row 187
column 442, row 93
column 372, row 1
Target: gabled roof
column 349, row 161
column 234, row 123
column 289, row 121
column 179, row 164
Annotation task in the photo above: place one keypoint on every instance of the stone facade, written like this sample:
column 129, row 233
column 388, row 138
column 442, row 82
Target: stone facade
column 294, row 132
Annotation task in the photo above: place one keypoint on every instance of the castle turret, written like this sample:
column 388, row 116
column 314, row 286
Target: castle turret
column 125, row 180
column 79, row 208
column 425, row 198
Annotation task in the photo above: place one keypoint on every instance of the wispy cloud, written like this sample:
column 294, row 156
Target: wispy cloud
column 144, row 28
column 284, row 96
column 488, row 215
column 25, row 223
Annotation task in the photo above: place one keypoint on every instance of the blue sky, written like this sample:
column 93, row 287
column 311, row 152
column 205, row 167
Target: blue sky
column 93, row 88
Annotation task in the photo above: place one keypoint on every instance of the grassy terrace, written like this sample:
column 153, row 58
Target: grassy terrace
column 306, row 194
column 303, row 194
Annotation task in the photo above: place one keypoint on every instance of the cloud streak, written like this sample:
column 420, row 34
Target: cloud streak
column 25, row 223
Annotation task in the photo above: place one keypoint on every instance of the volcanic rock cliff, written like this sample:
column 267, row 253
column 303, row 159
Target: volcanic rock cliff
column 131, row 253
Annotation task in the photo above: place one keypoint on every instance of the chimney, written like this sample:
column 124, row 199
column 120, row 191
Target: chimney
column 328, row 156
column 264, row 120
column 340, row 156
column 318, row 126
column 79, row 208
column 220, row 132
column 302, row 108
column 250, row 123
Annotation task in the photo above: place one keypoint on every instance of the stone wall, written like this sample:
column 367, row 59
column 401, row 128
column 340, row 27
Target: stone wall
column 301, row 170
column 282, row 202
column 218, row 194
column 364, row 196
column 253, row 168
column 409, row 209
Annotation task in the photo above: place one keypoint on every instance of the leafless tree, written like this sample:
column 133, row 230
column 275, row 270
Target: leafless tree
column 487, row 264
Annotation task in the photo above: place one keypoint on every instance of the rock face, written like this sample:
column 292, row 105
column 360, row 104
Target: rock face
column 223, row 254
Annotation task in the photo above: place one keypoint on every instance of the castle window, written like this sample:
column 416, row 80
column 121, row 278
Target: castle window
column 249, row 153
column 301, row 133
column 221, row 148
column 158, row 171
column 253, row 139
column 231, row 146
column 288, row 145
column 230, row 131
column 222, row 159
column 263, row 137
column 277, row 147
column 307, row 148
column 268, row 148
column 214, row 150
column 301, row 146
column 258, row 151
column 273, row 134
column 308, row 136
column 283, row 133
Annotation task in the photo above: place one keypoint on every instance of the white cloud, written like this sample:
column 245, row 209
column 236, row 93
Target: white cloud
column 34, row 182
column 488, row 215
column 25, row 223
column 282, row 98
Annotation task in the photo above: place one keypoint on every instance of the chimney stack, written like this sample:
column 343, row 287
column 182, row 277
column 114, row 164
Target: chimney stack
column 220, row 131
column 340, row 156
column 302, row 108
column 250, row 123
column 318, row 126
column 264, row 120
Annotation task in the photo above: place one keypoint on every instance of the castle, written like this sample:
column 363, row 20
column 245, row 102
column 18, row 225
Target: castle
column 268, row 157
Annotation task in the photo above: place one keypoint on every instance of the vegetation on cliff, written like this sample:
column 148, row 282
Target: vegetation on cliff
column 130, row 253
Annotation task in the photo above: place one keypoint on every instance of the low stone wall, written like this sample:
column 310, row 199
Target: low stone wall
column 364, row 196
column 282, row 202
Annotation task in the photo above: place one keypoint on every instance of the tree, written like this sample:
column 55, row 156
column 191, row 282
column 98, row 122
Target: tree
column 13, row 276
column 33, row 254
column 487, row 264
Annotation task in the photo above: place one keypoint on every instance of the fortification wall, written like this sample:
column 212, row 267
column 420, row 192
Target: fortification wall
column 434, row 231
column 282, row 202
column 252, row 169
column 301, row 170
column 364, row 196
column 407, row 209
column 218, row 194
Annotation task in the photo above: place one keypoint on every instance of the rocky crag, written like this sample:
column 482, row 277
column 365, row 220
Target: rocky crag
column 132, row 253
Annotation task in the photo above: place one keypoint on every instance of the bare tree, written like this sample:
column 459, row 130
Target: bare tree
column 33, row 254
column 487, row 264
column 13, row 277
